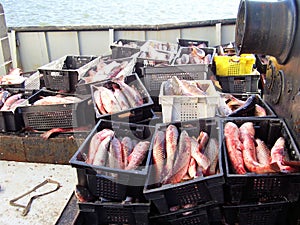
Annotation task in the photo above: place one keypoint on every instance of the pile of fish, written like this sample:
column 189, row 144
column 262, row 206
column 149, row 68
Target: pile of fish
column 8, row 101
column 233, row 107
column 174, row 86
column 195, row 56
column 150, row 52
column 163, row 46
column 106, row 149
column 116, row 96
column 178, row 157
column 249, row 153
column 105, row 70
column 13, row 77
column 56, row 99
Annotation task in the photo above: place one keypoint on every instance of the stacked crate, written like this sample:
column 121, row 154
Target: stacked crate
column 117, row 194
column 261, row 198
column 194, row 201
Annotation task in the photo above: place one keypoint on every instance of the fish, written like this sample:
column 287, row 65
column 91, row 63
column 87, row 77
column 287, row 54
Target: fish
column 277, row 155
column 172, row 135
column 10, row 101
column 259, row 111
column 133, row 96
column 127, row 146
column 46, row 135
column 109, row 102
column 185, row 88
column 182, row 160
column 248, row 108
column 137, row 155
column 115, row 154
column 234, row 147
column 192, row 170
column 159, row 154
column 263, row 153
column 202, row 161
column 212, row 153
column 56, row 99
column 96, row 139
column 98, row 102
column 17, row 103
column 202, row 140
column 102, row 151
column 121, row 98
column 247, row 133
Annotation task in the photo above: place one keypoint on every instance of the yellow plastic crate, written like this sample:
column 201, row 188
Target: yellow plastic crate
column 234, row 65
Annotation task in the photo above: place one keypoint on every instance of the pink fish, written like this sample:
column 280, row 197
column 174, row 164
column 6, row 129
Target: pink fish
column 172, row 136
column 277, row 155
column 10, row 101
column 133, row 96
column 127, row 146
column 95, row 142
column 115, row 154
column 182, row 160
column 102, row 152
column 159, row 154
column 109, row 101
column 138, row 154
column 202, row 161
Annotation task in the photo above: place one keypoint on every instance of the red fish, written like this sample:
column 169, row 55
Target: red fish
column 192, row 171
column 127, row 146
column 277, row 155
column 137, row 155
column 202, row 161
column 10, row 101
column 159, row 154
column 102, row 152
column 115, row 154
column 95, row 142
column 234, row 147
column 182, row 161
column 202, row 140
column 212, row 153
column 172, row 135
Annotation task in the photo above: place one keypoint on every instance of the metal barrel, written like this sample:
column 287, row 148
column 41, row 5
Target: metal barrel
column 266, row 27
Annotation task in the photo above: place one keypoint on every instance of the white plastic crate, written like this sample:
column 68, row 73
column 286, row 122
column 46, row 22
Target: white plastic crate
column 184, row 108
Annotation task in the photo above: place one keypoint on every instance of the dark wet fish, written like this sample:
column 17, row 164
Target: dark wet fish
column 248, row 108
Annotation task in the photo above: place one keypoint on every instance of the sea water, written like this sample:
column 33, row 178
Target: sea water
column 114, row 12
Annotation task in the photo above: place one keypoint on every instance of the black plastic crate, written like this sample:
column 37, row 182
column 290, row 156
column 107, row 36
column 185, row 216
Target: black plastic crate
column 271, row 213
column 11, row 120
column 196, row 191
column 84, row 84
column 252, row 187
column 258, row 100
column 239, row 84
column 133, row 114
column 188, row 50
column 190, row 42
column 205, row 214
column 116, row 212
column 111, row 183
column 125, row 48
column 63, row 74
column 43, row 117
column 154, row 76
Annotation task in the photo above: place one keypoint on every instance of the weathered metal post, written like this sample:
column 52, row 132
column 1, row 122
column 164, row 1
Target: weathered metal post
column 5, row 55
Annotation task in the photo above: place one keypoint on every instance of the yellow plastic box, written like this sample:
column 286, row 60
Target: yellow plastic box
column 234, row 65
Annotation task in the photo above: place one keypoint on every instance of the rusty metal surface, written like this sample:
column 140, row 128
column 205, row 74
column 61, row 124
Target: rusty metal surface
column 33, row 148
